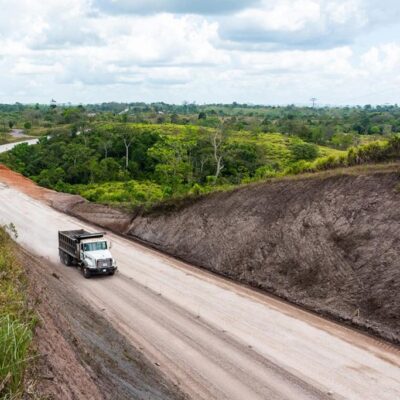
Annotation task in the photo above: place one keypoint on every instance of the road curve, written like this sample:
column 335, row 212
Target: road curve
column 213, row 338
column 10, row 146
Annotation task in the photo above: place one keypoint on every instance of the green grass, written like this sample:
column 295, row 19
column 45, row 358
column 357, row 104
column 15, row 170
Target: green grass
column 38, row 131
column 15, row 340
column 7, row 138
column 16, row 321
column 131, row 192
column 278, row 146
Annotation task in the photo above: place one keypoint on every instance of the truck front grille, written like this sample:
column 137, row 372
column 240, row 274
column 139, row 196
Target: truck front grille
column 106, row 263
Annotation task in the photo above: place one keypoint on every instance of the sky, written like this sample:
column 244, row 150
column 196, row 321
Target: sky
column 205, row 51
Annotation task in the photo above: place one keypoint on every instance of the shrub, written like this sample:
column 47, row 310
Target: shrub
column 329, row 162
column 371, row 152
column 298, row 168
column 132, row 192
column 304, row 151
column 196, row 190
column 265, row 172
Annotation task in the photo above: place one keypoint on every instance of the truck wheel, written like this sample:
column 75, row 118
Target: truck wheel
column 68, row 260
column 64, row 258
column 86, row 273
column 111, row 273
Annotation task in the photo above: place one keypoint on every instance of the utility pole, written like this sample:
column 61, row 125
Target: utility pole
column 313, row 100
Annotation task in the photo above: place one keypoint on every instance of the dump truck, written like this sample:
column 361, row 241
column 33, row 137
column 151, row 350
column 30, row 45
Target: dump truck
column 88, row 251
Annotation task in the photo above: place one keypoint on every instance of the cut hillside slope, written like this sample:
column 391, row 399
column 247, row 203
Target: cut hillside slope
column 329, row 242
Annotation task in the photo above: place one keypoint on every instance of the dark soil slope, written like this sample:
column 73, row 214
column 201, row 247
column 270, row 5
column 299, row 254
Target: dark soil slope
column 329, row 243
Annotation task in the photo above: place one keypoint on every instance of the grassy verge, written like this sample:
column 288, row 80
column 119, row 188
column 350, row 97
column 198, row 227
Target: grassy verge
column 16, row 321
column 6, row 139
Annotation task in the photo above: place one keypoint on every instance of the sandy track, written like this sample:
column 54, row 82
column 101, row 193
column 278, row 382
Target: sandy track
column 8, row 147
column 215, row 339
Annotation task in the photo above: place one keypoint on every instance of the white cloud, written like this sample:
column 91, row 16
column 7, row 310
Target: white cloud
column 171, row 6
column 256, row 51
column 297, row 24
column 382, row 59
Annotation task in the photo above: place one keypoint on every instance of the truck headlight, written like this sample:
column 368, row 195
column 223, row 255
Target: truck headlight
column 89, row 263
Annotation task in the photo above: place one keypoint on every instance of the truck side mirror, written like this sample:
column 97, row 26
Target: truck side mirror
column 110, row 245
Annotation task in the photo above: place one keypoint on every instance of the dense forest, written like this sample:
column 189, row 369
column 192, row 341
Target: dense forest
column 339, row 127
column 141, row 154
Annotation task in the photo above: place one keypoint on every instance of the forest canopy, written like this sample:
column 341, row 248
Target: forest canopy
column 136, row 154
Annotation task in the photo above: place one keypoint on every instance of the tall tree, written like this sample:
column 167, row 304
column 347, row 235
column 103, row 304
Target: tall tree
column 217, row 142
column 126, row 134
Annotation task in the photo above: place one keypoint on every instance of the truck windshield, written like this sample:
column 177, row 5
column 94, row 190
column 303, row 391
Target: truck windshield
column 95, row 246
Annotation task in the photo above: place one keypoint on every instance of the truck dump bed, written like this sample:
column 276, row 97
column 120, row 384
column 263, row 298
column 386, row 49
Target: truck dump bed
column 80, row 234
column 68, row 240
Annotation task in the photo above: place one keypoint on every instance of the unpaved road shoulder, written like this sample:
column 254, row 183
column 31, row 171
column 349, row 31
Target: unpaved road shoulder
column 81, row 356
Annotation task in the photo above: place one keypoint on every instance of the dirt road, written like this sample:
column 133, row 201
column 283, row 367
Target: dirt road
column 17, row 133
column 7, row 147
column 215, row 339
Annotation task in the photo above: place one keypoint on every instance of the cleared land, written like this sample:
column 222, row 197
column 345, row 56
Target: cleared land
column 211, row 337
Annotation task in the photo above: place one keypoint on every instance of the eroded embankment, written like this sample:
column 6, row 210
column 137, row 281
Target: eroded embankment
column 329, row 243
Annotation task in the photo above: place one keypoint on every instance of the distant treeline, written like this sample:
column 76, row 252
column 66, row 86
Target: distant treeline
column 337, row 127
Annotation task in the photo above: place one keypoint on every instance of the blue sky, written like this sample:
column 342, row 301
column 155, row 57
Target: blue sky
column 255, row 51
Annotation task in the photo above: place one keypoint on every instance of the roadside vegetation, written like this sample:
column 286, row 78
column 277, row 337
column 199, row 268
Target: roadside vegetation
column 138, row 154
column 16, row 320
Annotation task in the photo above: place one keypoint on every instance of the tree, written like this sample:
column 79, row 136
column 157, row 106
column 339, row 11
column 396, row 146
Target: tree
column 343, row 140
column 108, row 170
column 304, row 151
column 104, row 141
column 106, row 145
column 126, row 134
column 11, row 124
column 174, row 162
column 174, row 118
column 241, row 160
column 216, row 142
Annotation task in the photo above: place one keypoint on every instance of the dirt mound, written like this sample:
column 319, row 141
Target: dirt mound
column 330, row 243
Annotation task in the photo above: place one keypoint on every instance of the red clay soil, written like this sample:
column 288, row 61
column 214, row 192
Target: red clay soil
column 30, row 188
column 24, row 184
